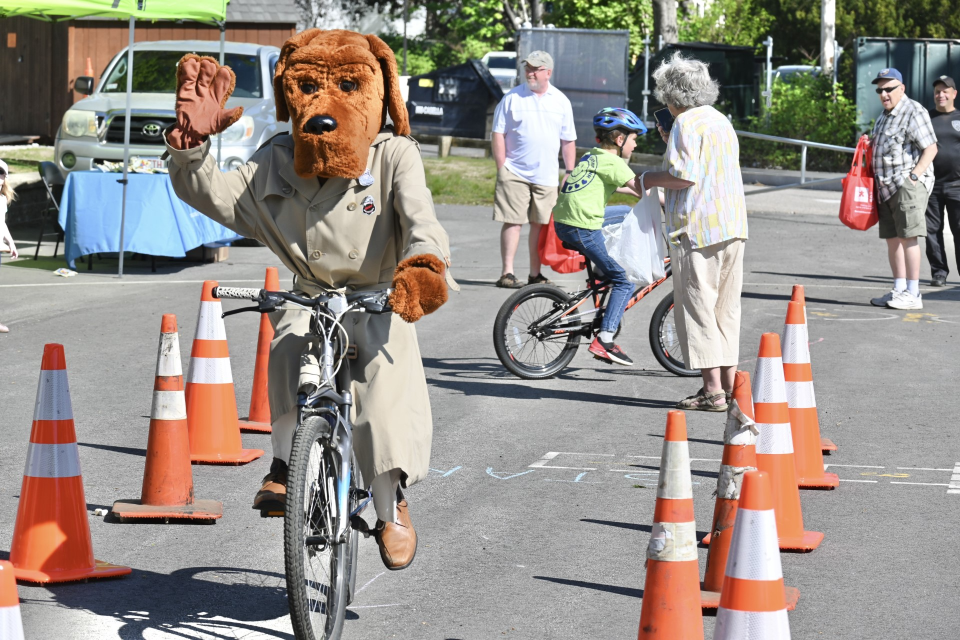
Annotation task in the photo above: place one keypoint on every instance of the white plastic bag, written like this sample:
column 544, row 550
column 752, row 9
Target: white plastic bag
column 637, row 243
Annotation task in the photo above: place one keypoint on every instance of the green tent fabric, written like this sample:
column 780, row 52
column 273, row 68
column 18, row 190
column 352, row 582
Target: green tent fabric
column 196, row 10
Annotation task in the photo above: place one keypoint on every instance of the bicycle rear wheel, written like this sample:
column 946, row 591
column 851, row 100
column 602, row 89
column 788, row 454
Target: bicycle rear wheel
column 527, row 348
column 665, row 341
column 316, row 563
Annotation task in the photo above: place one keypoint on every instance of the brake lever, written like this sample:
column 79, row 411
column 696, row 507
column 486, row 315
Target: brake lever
column 241, row 310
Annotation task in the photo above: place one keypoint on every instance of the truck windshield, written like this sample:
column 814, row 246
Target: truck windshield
column 156, row 72
column 501, row 62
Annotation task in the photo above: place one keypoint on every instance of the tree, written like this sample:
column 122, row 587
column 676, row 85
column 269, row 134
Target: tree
column 665, row 21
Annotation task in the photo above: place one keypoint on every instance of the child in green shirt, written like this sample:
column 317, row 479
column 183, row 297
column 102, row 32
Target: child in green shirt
column 578, row 215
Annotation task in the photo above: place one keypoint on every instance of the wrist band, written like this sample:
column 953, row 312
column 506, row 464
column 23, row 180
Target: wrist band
column 569, row 171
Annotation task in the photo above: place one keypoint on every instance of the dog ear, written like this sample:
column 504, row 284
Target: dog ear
column 291, row 45
column 391, row 80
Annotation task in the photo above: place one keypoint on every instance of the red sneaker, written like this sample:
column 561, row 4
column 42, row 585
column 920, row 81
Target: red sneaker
column 609, row 352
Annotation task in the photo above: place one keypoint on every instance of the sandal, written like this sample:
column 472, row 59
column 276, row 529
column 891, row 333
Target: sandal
column 509, row 281
column 700, row 401
column 538, row 279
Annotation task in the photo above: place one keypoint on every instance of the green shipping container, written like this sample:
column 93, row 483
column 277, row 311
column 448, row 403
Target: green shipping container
column 919, row 61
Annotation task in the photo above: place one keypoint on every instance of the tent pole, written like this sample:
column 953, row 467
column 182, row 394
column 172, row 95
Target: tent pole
column 126, row 141
column 223, row 39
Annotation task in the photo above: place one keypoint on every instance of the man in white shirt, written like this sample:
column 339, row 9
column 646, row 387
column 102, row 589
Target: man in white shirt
column 531, row 126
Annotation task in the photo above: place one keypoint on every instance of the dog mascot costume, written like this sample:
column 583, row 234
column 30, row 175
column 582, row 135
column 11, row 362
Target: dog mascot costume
column 343, row 202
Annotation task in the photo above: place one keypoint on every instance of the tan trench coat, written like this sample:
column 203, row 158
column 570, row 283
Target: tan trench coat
column 323, row 232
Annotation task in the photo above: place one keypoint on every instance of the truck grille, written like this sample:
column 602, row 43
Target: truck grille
column 143, row 129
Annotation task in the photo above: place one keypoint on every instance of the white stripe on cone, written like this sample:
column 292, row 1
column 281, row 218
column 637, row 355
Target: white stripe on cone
column 210, row 371
column 800, row 395
column 774, row 439
column 754, row 549
column 768, row 384
column 210, row 325
column 168, row 405
column 794, row 344
column 53, row 396
column 675, row 482
column 11, row 626
column 52, row 460
column 168, row 357
column 673, row 542
column 751, row 625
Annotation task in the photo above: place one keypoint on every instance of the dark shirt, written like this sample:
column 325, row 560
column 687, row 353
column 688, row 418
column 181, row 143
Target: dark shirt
column 946, row 166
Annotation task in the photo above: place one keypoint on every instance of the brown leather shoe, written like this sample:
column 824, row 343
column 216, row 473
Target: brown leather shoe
column 397, row 542
column 272, row 497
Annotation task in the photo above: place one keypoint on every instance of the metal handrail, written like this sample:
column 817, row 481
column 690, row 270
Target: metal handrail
column 803, row 144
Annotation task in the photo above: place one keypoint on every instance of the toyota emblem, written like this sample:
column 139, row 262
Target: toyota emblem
column 151, row 130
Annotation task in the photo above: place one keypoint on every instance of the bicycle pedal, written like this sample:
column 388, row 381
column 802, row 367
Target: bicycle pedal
column 603, row 360
column 271, row 514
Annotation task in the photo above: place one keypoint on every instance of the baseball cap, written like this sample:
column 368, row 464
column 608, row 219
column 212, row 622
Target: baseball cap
column 888, row 74
column 537, row 59
column 947, row 80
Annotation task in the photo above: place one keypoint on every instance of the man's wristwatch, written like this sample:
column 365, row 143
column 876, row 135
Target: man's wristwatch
column 914, row 177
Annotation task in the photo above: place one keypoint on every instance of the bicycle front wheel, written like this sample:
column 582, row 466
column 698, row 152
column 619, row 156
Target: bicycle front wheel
column 316, row 562
column 665, row 341
column 530, row 342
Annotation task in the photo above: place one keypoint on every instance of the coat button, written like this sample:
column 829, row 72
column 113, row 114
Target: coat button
column 352, row 206
column 353, row 254
column 286, row 188
column 316, row 255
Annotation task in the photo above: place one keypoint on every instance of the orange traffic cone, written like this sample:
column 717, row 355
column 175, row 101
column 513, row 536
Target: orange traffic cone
column 211, row 402
column 258, row 420
column 826, row 445
column 11, row 626
column 739, row 456
column 167, row 490
column 752, row 604
column 88, row 70
column 51, row 539
column 804, row 424
column 671, row 593
column 775, row 446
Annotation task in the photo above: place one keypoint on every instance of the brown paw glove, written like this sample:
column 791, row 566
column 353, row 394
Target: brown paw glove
column 203, row 87
column 419, row 287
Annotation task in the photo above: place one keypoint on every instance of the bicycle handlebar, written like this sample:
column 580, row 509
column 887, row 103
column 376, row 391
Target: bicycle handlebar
column 237, row 293
column 376, row 302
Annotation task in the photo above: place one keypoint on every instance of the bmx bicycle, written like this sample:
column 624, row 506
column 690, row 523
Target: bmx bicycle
column 322, row 521
column 540, row 327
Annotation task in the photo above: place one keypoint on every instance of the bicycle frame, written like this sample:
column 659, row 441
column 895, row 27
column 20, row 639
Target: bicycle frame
column 599, row 291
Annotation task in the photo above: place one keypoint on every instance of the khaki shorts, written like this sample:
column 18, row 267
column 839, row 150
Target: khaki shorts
column 904, row 215
column 706, row 302
column 517, row 201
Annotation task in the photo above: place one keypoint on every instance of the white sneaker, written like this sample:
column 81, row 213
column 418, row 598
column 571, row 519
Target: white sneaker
column 906, row 300
column 884, row 299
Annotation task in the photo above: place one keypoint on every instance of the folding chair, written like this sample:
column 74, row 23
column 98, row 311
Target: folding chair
column 53, row 181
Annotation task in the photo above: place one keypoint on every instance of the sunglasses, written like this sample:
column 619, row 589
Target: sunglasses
column 888, row 89
column 3, row 174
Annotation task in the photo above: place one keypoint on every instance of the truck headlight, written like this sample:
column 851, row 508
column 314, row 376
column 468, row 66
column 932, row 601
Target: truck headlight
column 239, row 131
column 77, row 123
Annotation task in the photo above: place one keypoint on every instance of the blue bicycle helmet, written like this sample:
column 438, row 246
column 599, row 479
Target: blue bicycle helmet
column 611, row 118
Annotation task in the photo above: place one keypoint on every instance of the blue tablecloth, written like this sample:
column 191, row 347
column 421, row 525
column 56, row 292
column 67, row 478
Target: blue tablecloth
column 158, row 223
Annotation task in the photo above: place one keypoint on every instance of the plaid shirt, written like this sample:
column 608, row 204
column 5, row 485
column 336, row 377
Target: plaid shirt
column 899, row 137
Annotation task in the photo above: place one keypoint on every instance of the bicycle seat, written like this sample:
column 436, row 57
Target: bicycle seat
column 569, row 246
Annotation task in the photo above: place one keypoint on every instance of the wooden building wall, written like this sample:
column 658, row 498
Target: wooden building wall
column 37, row 74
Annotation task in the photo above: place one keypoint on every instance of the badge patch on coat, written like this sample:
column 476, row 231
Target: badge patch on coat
column 366, row 179
column 956, row 125
column 368, row 206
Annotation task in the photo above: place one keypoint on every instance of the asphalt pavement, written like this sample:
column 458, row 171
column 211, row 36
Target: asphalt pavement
column 507, row 549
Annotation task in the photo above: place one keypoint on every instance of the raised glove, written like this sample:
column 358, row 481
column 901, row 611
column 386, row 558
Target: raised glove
column 419, row 287
column 203, row 87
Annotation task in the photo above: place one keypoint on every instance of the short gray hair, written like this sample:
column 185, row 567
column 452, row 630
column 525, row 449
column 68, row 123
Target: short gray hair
column 684, row 82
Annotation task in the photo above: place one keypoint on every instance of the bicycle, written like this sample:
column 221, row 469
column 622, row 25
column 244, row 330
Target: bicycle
column 322, row 518
column 540, row 319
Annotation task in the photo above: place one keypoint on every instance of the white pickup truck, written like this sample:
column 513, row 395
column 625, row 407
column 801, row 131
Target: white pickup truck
column 92, row 129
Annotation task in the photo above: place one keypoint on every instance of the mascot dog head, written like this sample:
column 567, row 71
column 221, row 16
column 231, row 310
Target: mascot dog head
column 336, row 87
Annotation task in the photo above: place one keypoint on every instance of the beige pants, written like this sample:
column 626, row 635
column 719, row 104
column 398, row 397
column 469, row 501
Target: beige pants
column 516, row 201
column 706, row 289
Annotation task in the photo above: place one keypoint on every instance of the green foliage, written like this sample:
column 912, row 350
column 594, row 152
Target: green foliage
column 803, row 109
column 637, row 16
column 734, row 22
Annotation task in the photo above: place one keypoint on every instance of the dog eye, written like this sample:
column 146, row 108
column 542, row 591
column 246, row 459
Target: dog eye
column 308, row 87
column 348, row 86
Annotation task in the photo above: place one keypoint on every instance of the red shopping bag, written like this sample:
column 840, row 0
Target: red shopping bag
column 554, row 255
column 857, row 207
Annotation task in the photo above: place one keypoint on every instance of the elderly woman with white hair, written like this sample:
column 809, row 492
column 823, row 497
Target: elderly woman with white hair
column 706, row 220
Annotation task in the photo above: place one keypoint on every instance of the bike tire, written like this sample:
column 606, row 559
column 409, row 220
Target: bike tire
column 353, row 540
column 316, row 578
column 664, row 340
column 557, row 355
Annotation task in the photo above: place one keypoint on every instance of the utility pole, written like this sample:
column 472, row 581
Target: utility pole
column 406, row 17
column 828, row 34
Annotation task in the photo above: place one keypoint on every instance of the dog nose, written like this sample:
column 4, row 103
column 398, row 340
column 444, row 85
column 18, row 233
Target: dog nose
column 318, row 125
